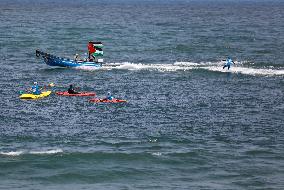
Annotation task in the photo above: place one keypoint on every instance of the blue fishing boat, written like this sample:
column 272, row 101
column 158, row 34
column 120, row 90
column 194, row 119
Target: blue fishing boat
column 93, row 60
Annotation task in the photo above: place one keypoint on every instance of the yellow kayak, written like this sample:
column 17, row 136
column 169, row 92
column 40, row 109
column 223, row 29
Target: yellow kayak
column 32, row 96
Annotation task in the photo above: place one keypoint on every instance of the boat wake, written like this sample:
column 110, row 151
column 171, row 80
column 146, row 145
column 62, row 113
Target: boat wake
column 185, row 66
column 22, row 152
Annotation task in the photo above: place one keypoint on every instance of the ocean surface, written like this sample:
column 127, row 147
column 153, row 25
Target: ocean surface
column 188, row 124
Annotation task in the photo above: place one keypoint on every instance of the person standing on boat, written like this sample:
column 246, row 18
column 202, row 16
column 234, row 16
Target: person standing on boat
column 91, row 49
column 91, row 58
column 228, row 64
column 35, row 89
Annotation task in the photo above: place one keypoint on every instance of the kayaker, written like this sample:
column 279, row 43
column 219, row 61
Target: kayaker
column 35, row 89
column 71, row 90
column 109, row 96
column 228, row 64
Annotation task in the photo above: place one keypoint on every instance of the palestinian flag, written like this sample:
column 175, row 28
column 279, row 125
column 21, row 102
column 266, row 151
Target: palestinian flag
column 98, row 44
column 95, row 48
column 98, row 52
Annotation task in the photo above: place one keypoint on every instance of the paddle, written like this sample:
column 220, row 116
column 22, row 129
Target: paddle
column 23, row 91
column 55, row 85
column 30, row 89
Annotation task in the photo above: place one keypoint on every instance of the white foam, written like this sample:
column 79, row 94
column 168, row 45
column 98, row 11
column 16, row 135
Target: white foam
column 153, row 140
column 88, row 68
column 247, row 71
column 18, row 153
column 153, row 67
column 156, row 153
column 238, row 68
column 47, row 151
column 12, row 153
column 185, row 66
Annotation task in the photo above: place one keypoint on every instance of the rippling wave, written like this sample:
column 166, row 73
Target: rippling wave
column 187, row 123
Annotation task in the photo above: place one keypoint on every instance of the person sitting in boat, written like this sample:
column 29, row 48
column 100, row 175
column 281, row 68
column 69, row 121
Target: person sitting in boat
column 35, row 89
column 109, row 96
column 76, row 57
column 71, row 90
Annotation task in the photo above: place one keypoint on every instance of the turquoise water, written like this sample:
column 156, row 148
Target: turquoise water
column 188, row 123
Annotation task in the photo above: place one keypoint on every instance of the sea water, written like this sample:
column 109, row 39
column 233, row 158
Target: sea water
column 188, row 123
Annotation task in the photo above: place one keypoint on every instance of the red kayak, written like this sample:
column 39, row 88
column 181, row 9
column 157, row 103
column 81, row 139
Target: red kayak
column 78, row 94
column 114, row 100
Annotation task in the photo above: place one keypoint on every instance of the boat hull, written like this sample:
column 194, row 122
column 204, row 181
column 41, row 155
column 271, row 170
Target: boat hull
column 65, row 93
column 97, row 100
column 33, row 96
column 52, row 60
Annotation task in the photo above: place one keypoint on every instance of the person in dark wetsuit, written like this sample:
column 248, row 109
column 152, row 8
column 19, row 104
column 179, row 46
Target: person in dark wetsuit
column 71, row 90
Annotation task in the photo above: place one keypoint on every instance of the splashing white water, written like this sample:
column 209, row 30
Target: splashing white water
column 12, row 153
column 140, row 66
column 156, row 153
column 185, row 66
column 47, row 151
column 18, row 153
column 248, row 71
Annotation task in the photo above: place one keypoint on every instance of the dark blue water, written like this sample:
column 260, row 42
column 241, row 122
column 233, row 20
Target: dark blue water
column 188, row 124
